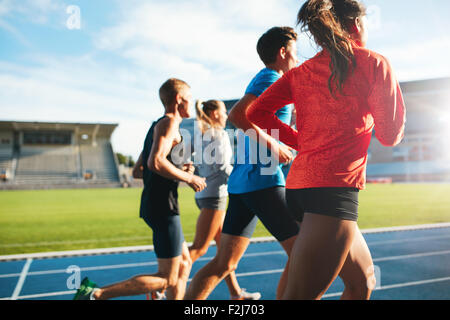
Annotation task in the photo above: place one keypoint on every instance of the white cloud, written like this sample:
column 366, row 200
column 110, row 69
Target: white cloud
column 164, row 62
column 196, row 32
column 4, row 7
column 79, row 90
column 419, row 60
column 16, row 33
column 36, row 11
column 210, row 44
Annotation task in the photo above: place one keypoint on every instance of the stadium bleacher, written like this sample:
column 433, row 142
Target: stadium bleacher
column 99, row 160
column 42, row 165
column 411, row 171
column 55, row 155
column 6, row 163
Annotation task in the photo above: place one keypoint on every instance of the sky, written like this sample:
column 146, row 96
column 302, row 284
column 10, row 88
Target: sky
column 104, row 60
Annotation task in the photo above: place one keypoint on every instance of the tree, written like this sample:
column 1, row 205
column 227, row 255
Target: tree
column 125, row 160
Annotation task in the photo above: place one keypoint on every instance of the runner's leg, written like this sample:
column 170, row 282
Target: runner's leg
column 177, row 292
column 287, row 246
column 320, row 250
column 270, row 206
column 232, row 283
column 358, row 271
column 209, row 227
column 230, row 251
column 166, row 277
column 209, row 223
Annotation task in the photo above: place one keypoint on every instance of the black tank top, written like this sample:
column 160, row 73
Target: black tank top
column 160, row 195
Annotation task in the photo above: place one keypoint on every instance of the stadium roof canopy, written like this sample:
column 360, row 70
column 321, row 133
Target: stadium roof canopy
column 425, row 86
column 427, row 95
column 96, row 129
column 428, row 105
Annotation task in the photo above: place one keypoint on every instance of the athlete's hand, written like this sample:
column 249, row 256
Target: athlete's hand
column 189, row 167
column 283, row 153
column 138, row 172
column 197, row 183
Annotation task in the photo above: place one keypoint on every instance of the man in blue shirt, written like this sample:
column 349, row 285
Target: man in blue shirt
column 248, row 174
column 256, row 188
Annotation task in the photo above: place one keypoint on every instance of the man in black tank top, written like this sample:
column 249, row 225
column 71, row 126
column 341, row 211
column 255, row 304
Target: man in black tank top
column 159, row 204
column 160, row 195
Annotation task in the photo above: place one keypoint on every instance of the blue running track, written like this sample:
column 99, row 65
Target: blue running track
column 410, row 265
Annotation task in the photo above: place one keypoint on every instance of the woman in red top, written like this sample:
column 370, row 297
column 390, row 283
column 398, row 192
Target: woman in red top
column 341, row 95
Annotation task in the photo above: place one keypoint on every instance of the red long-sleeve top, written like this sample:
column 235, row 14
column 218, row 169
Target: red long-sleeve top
column 333, row 135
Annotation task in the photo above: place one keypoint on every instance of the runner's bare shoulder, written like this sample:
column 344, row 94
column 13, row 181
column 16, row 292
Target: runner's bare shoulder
column 168, row 126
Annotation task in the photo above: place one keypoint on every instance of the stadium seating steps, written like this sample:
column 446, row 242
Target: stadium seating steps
column 65, row 165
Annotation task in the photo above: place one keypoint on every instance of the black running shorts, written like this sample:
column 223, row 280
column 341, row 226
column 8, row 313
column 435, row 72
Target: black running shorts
column 341, row 203
column 269, row 205
column 168, row 235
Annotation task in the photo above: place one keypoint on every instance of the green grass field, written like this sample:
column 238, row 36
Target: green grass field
column 56, row 220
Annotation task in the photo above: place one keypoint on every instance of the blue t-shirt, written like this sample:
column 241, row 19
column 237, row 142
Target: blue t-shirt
column 250, row 172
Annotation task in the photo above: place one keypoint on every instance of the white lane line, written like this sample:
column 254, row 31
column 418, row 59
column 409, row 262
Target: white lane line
column 258, row 273
column 132, row 265
column 413, row 283
column 68, row 242
column 22, row 278
column 51, row 243
column 126, row 250
column 97, row 252
column 330, row 295
column 45, row 295
column 412, row 256
column 381, row 242
column 150, row 248
column 248, row 255
column 9, row 275
column 85, row 241
column 407, row 228
column 396, row 286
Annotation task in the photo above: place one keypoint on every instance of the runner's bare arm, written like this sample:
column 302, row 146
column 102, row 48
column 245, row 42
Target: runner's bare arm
column 387, row 106
column 163, row 140
column 238, row 117
column 138, row 169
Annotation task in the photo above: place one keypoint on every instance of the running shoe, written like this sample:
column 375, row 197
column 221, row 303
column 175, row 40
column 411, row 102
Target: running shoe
column 247, row 296
column 86, row 290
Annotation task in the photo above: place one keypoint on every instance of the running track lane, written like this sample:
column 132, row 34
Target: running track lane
column 409, row 265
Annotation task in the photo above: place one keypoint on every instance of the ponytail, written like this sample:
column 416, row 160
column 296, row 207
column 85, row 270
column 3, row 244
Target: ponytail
column 327, row 21
column 203, row 120
column 203, row 110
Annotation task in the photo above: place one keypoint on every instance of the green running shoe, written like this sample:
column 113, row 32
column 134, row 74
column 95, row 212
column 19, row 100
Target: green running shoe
column 85, row 291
